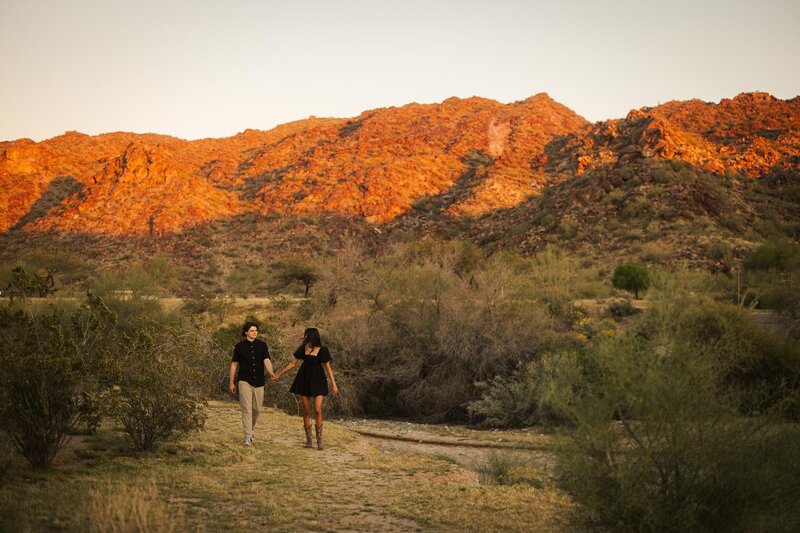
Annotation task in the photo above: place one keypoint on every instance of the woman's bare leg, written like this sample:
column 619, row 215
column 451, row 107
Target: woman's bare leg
column 318, row 409
column 306, row 411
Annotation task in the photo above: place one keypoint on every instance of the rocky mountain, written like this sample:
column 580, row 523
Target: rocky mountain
column 374, row 166
column 682, row 179
column 682, row 175
column 752, row 135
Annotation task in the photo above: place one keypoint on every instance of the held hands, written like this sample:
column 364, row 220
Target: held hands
column 275, row 377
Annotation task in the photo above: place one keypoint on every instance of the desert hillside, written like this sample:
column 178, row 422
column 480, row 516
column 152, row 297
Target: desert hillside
column 465, row 157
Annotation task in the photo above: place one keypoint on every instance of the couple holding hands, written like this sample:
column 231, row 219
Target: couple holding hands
column 251, row 363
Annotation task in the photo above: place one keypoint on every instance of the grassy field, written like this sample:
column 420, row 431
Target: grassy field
column 211, row 482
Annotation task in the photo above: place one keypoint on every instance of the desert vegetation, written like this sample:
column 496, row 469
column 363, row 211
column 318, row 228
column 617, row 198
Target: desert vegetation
column 652, row 409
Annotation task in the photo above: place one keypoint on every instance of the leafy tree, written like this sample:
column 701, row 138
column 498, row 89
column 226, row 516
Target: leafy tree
column 631, row 277
column 296, row 270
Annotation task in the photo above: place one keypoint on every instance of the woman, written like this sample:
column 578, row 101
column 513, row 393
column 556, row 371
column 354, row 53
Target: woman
column 310, row 382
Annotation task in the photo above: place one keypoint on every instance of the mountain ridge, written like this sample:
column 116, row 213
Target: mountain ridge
column 467, row 157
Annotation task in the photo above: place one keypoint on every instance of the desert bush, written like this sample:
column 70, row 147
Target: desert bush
column 760, row 367
column 733, row 222
column 635, row 209
column 621, row 309
column 201, row 303
column 157, row 395
column 162, row 272
column 785, row 300
column 24, row 284
column 245, row 280
column 553, row 275
column 778, row 255
column 677, row 427
column 133, row 296
column 508, row 469
column 40, row 386
column 518, row 400
column 655, row 253
column 94, row 332
column 657, row 443
column 568, row 228
column 66, row 267
column 614, row 197
column 134, row 280
column 720, row 251
column 418, row 322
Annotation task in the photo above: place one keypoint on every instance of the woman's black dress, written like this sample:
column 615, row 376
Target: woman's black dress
column 310, row 379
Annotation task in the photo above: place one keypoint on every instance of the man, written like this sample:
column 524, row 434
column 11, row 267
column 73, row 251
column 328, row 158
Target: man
column 250, row 360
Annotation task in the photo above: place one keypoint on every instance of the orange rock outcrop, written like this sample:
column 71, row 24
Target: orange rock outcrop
column 752, row 134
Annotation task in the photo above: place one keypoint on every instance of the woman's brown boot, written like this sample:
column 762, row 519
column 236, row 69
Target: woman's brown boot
column 319, row 437
column 308, row 437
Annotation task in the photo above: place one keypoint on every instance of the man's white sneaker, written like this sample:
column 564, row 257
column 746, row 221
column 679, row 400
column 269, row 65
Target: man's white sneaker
column 248, row 441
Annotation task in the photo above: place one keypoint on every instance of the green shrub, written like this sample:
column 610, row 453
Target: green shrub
column 503, row 468
column 655, row 253
column 635, row 209
column 621, row 309
column 568, row 228
column 677, row 426
column 720, row 251
column 656, row 442
column 244, row 280
column 782, row 300
column 615, row 197
column 24, row 284
column 40, row 386
column 516, row 401
column 735, row 223
column 418, row 319
column 157, row 396
column 779, row 255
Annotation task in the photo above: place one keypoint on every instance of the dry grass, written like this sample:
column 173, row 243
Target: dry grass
column 212, row 482
column 132, row 509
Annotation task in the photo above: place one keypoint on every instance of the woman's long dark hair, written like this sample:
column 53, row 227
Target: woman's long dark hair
column 311, row 336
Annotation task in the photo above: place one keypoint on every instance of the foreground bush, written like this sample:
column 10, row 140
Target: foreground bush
column 40, row 385
column 663, row 429
column 157, row 396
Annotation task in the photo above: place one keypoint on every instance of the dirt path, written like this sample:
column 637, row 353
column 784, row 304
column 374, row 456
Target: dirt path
column 468, row 447
column 373, row 475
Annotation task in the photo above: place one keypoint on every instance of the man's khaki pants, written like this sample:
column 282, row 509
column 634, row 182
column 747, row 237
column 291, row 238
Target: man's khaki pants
column 250, row 400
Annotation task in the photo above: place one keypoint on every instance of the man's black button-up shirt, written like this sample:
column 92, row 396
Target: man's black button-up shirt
column 251, row 356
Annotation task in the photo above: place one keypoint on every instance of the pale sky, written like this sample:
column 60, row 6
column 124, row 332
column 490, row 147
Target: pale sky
column 201, row 68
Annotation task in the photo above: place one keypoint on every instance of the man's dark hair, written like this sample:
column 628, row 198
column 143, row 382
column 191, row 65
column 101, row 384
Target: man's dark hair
column 247, row 326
